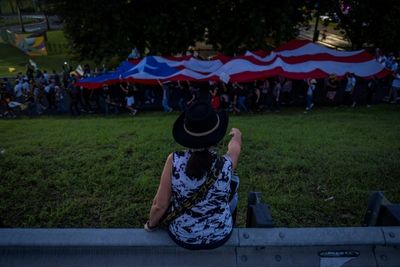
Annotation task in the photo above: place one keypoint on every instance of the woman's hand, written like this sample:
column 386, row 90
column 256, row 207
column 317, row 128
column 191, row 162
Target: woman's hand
column 234, row 146
column 235, row 132
column 149, row 228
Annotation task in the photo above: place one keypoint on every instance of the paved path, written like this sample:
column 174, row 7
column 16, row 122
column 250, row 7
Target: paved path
column 331, row 40
column 55, row 24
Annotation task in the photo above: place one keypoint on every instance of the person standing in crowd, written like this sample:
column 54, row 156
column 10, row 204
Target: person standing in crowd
column 40, row 78
column 395, row 87
column 60, row 98
column 380, row 57
column 110, row 100
column 37, row 95
column 256, row 97
column 86, row 70
column 3, row 95
column 372, row 88
column 56, row 77
column 235, row 99
column 29, row 71
column 165, row 99
column 215, row 100
column 183, row 96
column 310, row 93
column 287, row 92
column 67, row 77
column 18, row 91
column 391, row 63
column 107, row 99
column 85, row 100
column 224, row 97
column 242, row 98
column 8, row 87
column 207, row 221
column 74, row 95
column 129, row 97
column 331, row 88
column 349, row 90
column 46, row 76
column 265, row 89
column 138, row 95
column 26, row 87
column 149, row 96
column 94, row 97
column 276, row 96
column 49, row 91
column 194, row 95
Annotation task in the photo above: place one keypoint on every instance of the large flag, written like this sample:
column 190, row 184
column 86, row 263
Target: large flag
column 297, row 59
column 301, row 59
column 32, row 46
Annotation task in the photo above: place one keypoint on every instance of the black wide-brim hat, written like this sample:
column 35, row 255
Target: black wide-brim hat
column 200, row 126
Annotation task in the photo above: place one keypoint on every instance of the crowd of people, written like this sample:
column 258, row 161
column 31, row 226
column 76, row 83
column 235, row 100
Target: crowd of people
column 38, row 92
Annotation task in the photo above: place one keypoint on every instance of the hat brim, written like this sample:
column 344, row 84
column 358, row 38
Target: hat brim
column 185, row 139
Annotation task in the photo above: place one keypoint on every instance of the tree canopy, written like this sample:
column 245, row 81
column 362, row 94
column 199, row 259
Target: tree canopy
column 367, row 22
column 102, row 29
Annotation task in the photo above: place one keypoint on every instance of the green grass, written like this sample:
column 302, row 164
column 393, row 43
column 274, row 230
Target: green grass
column 56, row 36
column 313, row 169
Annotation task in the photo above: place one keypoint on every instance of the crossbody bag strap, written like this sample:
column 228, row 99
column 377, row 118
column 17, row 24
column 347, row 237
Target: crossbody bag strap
column 212, row 176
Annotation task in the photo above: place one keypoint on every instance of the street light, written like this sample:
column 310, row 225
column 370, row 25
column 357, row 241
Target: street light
column 20, row 16
column 316, row 31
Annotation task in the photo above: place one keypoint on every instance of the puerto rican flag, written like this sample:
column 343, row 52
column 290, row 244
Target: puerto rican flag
column 297, row 59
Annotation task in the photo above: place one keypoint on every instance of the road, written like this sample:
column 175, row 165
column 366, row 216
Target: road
column 328, row 39
column 54, row 21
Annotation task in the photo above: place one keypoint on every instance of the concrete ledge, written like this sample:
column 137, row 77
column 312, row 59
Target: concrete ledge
column 311, row 236
column 392, row 235
column 84, row 237
column 334, row 247
column 241, row 237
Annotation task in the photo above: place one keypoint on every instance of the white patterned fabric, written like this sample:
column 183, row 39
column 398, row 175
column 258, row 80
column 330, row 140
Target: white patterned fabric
column 210, row 219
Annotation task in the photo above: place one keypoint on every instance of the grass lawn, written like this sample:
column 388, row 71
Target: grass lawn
column 313, row 169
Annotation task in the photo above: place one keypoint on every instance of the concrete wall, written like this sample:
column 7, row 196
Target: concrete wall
column 296, row 247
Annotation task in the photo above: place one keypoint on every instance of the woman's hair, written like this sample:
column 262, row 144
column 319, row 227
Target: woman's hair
column 199, row 164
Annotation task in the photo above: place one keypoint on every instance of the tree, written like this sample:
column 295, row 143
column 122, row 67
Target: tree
column 368, row 22
column 170, row 26
column 382, row 25
column 248, row 25
column 101, row 29
column 10, row 2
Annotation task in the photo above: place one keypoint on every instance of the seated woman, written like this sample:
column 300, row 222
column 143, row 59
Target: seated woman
column 206, row 221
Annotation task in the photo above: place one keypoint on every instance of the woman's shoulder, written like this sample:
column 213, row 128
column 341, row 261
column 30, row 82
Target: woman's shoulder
column 179, row 155
column 227, row 159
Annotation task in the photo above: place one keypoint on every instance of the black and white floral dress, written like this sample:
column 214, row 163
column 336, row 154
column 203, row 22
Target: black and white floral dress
column 209, row 220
